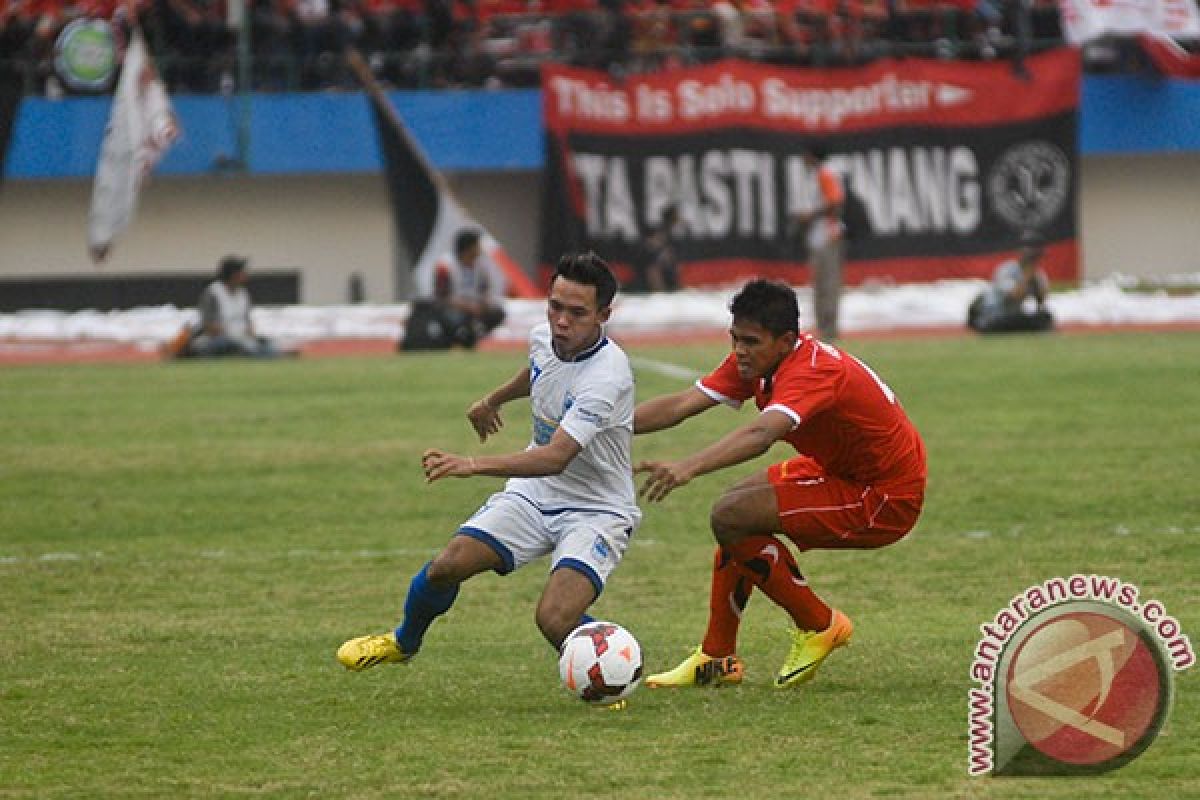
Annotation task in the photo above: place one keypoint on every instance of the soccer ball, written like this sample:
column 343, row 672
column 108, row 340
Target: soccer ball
column 601, row 662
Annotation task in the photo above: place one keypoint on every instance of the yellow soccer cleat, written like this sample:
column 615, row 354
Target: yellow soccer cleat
column 810, row 648
column 367, row 651
column 620, row 705
column 699, row 669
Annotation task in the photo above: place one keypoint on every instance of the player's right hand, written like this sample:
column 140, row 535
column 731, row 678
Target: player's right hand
column 438, row 464
column 484, row 419
column 663, row 477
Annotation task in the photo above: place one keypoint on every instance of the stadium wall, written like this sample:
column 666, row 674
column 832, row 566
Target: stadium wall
column 308, row 195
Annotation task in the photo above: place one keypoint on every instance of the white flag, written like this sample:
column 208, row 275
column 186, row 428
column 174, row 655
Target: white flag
column 1087, row 20
column 140, row 129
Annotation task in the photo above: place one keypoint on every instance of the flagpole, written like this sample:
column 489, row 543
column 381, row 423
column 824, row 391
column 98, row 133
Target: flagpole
column 358, row 65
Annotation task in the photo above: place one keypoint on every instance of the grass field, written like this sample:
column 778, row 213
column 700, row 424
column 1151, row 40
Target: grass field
column 184, row 546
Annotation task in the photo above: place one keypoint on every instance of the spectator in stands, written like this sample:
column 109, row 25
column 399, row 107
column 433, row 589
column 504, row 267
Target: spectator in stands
column 196, row 33
column 702, row 33
column 730, row 25
column 225, row 326
column 458, row 303
column 1016, row 299
column 655, row 37
column 825, row 235
column 322, row 31
column 392, row 31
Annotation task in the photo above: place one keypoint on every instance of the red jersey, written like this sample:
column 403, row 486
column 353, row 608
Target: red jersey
column 847, row 419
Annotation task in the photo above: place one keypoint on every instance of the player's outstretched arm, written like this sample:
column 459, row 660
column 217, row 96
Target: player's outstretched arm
column 484, row 413
column 668, row 410
column 548, row 459
column 744, row 443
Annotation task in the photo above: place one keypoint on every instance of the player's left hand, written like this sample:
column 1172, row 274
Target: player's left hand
column 663, row 477
column 484, row 419
column 438, row 465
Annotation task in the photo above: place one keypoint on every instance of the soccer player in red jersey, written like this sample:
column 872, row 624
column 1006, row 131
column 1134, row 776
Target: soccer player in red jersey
column 857, row 481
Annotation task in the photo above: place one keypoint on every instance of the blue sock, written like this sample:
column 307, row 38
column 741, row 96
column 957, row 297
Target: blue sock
column 585, row 619
column 423, row 605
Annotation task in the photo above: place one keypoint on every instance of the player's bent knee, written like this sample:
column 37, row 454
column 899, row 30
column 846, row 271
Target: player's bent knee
column 449, row 568
column 462, row 558
column 727, row 523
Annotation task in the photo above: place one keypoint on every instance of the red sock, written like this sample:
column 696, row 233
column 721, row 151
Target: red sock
column 769, row 564
column 730, row 593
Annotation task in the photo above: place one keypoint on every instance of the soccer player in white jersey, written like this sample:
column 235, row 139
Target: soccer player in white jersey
column 570, row 493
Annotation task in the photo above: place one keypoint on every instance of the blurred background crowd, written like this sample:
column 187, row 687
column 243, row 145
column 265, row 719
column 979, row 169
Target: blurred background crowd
column 202, row 47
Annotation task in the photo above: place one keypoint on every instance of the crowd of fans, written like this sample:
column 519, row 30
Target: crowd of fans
column 299, row 44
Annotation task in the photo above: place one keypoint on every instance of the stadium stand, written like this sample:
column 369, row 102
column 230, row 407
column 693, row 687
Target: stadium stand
column 298, row 44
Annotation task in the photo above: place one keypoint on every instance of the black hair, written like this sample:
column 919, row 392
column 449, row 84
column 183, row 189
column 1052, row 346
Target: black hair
column 465, row 240
column 769, row 304
column 589, row 269
column 230, row 266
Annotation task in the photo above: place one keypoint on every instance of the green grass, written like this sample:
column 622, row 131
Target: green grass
column 183, row 547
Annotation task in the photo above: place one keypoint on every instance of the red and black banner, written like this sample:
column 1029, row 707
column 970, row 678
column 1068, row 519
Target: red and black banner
column 948, row 162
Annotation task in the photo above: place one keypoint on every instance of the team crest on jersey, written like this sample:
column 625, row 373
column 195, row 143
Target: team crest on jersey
column 600, row 549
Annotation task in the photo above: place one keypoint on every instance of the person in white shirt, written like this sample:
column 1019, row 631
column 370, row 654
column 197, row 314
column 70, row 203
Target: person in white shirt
column 570, row 493
column 459, row 299
column 226, row 328
column 1016, row 299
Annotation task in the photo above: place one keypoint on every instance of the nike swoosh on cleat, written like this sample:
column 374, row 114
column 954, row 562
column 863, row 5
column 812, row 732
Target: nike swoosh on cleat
column 782, row 679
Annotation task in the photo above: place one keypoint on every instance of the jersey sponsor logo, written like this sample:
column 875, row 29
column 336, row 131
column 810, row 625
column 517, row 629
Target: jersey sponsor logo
column 543, row 430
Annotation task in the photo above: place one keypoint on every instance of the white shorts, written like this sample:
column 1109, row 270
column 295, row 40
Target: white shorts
column 589, row 542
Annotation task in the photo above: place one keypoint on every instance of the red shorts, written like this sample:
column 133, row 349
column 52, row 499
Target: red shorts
column 820, row 511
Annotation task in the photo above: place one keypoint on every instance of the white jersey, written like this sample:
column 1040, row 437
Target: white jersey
column 591, row 398
column 478, row 282
column 228, row 308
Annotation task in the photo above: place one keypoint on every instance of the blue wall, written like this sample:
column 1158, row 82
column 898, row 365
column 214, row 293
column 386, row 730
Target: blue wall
column 467, row 131
column 1139, row 116
column 291, row 133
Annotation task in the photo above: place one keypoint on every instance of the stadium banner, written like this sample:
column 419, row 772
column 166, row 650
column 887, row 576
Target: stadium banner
column 141, row 127
column 947, row 162
column 1085, row 20
column 426, row 215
